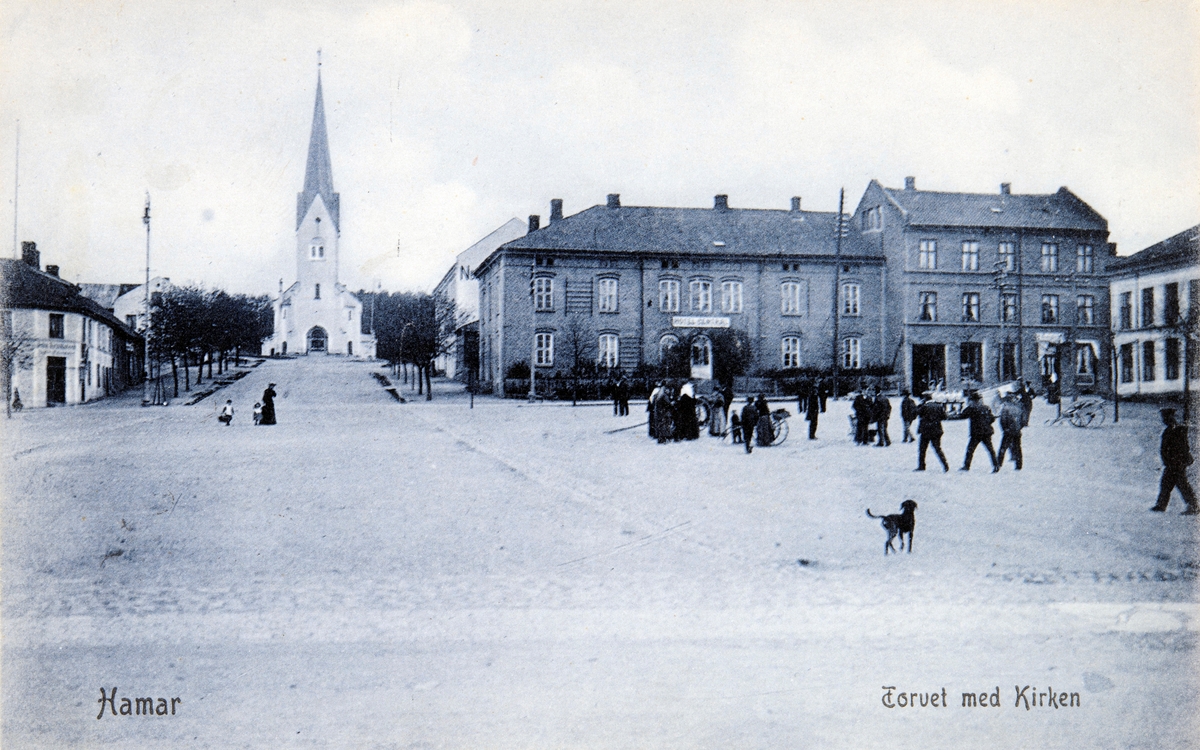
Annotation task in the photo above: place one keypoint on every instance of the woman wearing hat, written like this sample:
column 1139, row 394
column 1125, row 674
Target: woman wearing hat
column 268, row 405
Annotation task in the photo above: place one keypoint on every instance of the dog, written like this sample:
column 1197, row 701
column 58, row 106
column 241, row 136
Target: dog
column 898, row 524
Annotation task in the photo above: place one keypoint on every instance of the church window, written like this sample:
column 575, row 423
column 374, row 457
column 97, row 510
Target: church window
column 317, row 290
column 349, row 314
column 316, row 251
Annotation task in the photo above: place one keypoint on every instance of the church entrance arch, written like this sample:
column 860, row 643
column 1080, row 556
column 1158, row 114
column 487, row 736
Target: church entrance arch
column 318, row 341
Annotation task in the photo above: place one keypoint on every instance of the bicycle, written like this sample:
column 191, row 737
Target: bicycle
column 1088, row 412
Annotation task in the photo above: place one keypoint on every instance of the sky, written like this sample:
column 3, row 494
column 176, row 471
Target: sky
column 447, row 119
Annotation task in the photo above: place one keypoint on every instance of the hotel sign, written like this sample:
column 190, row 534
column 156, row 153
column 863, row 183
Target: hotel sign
column 692, row 321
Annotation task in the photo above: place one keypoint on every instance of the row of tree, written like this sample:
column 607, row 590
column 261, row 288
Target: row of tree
column 412, row 329
column 194, row 326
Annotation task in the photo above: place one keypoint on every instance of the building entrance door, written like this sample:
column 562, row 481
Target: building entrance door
column 56, row 380
column 702, row 368
column 928, row 367
column 317, row 340
column 971, row 363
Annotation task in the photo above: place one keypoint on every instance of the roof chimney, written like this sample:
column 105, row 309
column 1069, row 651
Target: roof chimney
column 52, row 270
column 910, row 183
column 614, row 200
column 721, row 202
column 535, row 222
column 30, row 254
column 556, row 209
column 796, row 203
column 1006, row 188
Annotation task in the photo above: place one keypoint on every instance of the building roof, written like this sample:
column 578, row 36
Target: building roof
column 105, row 295
column 318, row 172
column 694, row 231
column 1182, row 249
column 24, row 287
column 1061, row 210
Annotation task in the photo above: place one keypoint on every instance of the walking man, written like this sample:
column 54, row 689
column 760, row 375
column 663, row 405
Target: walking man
column 981, row 419
column 930, row 430
column 812, row 411
column 908, row 414
column 1012, row 419
column 622, row 397
column 1176, row 457
column 882, row 412
column 749, row 420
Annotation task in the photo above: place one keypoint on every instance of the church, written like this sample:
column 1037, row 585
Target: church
column 317, row 314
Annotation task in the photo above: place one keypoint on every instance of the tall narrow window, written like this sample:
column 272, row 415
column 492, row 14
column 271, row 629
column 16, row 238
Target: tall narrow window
column 543, row 293
column 927, row 254
column 668, row 295
column 1049, row 308
column 731, row 296
column 1126, row 310
column 1127, row 363
column 970, row 307
column 607, row 295
column 791, row 352
column 545, row 350
column 850, row 295
column 1147, row 307
column 1083, row 258
column 970, row 256
column 928, row 307
column 1008, row 307
column 851, row 349
column 1148, row 361
column 316, row 291
column 700, row 296
column 56, row 325
column 1008, row 256
column 790, row 298
column 1085, row 310
column 609, row 350
column 1171, row 358
column 1171, row 304
column 1049, row 257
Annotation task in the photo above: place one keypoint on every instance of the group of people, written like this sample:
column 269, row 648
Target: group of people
column 1015, row 408
column 672, row 411
column 264, row 411
column 872, row 408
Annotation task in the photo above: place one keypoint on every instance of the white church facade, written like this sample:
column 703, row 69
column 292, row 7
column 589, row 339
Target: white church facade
column 317, row 314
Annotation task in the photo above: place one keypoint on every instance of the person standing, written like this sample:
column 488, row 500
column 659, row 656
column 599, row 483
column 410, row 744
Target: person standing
column 687, row 427
column 268, row 402
column 749, row 420
column 908, row 415
column 812, row 412
column 930, row 429
column 651, row 417
column 1012, row 419
column 882, row 412
column 980, row 418
column 716, row 415
column 1176, row 457
column 622, row 397
column 825, row 390
column 862, row 418
column 613, row 389
column 1026, row 397
column 766, row 430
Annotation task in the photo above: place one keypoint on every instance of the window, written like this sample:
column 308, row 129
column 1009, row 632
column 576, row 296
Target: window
column 791, row 352
column 608, row 296
column 1008, row 256
column 970, row 307
column 850, row 354
column 927, row 254
column 1083, row 259
column 928, row 303
column 731, row 296
column 316, row 251
column 970, row 256
column 609, row 349
column 1171, row 360
column 545, row 350
column 56, row 325
column 1171, row 304
column 1049, row 257
column 666, row 344
column 316, row 291
column 1008, row 307
column 668, row 295
column 850, row 294
column 1127, row 363
column 1049, row 308
column 543, row 293
column 131, row 321
column 872, row 218
column 1085, row 310
column 700, row 296
column 1085, row 369
column 349, row 313
column 1148, row 361
column 1007, row 364
column 1126, row 310
column 1147, row 308
column 790, row 292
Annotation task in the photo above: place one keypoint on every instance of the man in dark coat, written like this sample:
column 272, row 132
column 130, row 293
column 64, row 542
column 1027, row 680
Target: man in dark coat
column 825, row 390
column 862, row 418
column 908, row 414
column 268, row 405
column 749, row 420
column 1026, row 397
column 980, row 418
column 686, row 426
column 622, row 398
column 1176, row 457
column 812, row 411
column 1012, row 419
column 930, row 429
column 766, row 430
column 881, row 412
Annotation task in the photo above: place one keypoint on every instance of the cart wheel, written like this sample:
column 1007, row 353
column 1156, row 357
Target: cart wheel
column 1097, row 417
column 781, row 431
column 1082, row 418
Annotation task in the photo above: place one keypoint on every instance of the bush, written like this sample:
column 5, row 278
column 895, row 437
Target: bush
column 518, row 371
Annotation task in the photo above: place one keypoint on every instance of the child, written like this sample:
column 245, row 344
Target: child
column 226, row 413
column 257, row 412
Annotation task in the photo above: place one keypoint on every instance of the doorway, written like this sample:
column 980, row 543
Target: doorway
column 928, row 367
column 970, row 354
column 317, row 340
column 702, row 368
column 56, row 380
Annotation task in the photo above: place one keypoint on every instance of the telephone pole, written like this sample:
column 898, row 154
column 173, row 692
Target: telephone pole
column 146, row 334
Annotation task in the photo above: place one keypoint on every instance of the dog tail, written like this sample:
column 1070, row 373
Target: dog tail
column 872, row 515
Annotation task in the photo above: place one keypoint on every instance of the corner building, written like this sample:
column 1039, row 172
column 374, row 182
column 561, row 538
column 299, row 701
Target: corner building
column 618, row 285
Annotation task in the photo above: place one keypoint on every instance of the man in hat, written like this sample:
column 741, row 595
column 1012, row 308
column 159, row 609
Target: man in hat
column 1176, row 457
column 981, row 419
column 929, row 428
column 1012, row 419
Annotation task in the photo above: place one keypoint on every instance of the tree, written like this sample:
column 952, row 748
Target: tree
column 16, row 352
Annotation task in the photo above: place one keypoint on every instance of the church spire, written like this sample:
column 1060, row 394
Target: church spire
column 318, row 173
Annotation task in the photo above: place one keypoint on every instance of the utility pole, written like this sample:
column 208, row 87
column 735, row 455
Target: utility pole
column 16, row 189
column 837, row 286
column 146, row 334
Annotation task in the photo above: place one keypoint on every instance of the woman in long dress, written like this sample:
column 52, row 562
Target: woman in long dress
column 268, row 405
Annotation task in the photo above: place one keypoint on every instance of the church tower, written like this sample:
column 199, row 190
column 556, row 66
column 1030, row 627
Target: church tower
column 316, row 315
